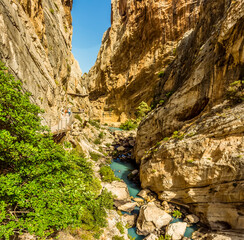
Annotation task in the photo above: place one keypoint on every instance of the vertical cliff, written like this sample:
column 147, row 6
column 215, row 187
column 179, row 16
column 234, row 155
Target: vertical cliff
column 190, row 148
column 35, row 45
column 140, row 43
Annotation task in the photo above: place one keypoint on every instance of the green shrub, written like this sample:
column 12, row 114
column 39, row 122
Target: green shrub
column 94, row 156
column 43, row 188
column 51, row 11
column 131, row 238
column 177, row 214
column 101, row 135
column 178, row 135
column 142, row 110
column 107, row 174
column 94, row 123
column 161, row 74
column 120, row 227
column 97, row 141
column 118, row 238
column 78, row 118
column 129, row 125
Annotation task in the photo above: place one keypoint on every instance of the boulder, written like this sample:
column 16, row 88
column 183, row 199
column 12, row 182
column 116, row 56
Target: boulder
column 120, row 148
column 151, row 237
column 139, row 200
column 120, row 190
column 144, row 193
column 27, row 236
column 130, row 219
column 176, row 230
column 132, row 143
column 151, row 218
column 128, row 207
column 191, row 218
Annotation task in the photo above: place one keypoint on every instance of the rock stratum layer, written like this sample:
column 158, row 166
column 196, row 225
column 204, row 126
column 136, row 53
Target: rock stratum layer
column 35, row 43
column 191, row 147
column 140, row 43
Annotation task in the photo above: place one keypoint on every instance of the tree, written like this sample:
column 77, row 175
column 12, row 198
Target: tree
column 42, row 188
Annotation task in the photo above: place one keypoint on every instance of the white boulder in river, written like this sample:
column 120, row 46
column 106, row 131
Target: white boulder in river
column 150, row 218
column 120, row 190
column 176, row 230
column 151, row 237
column 128, row 207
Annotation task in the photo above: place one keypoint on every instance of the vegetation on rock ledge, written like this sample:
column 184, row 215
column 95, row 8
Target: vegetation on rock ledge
column 43, row 189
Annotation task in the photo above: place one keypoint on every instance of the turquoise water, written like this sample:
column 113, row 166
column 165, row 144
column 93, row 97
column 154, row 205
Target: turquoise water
column 115, row 129
column 122, row 170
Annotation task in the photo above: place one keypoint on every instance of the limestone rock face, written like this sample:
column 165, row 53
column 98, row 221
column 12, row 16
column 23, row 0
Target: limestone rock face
column 191, row 148
column 35, row 43
column 150, row 218
column 140, row 43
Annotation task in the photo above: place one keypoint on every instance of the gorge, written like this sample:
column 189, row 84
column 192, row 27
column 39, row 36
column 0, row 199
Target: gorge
column 184, row 59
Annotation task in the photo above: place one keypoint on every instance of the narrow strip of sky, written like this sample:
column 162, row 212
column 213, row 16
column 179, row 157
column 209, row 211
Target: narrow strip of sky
column 91, row 18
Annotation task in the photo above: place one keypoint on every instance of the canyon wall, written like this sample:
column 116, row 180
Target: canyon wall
column 191, row 146
column 141, row 42
column 35, row 44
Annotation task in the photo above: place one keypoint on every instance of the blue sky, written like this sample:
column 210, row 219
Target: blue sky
column 91, row 18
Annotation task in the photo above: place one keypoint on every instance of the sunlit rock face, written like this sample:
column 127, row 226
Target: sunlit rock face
column 35, row 43
column 140, row 43
column 202, row 164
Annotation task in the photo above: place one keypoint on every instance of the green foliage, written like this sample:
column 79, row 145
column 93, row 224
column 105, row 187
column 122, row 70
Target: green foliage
column 168, row 94
column 235, row 91
column 177, row 214
column 130, row 124
column 166, row 139
column 43, row 188
column 131, row 238
column 94, row 123
column 78, row 118
column 166, row 237
column 142, row 110
column 67, row 144
column 107, row 174
column 118, row 238
column 97, row 141
column 190, row 160
column 178, row 135
column 51, row 11
column 94, row 156
column 101, row 135
column 120, row 227
column 161, row 74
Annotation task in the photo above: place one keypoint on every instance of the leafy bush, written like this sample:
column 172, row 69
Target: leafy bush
column 120, row 227
column 94, row 156
column 118, row 238
column 43, row 188
column 97, row 141
column 167, row 237
column 94, row 123
column 78, row 117
column 161, row 74
column 142, row 110
column 101, row 135
column 107, row 174
column 177, row 214
column 129, row 125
